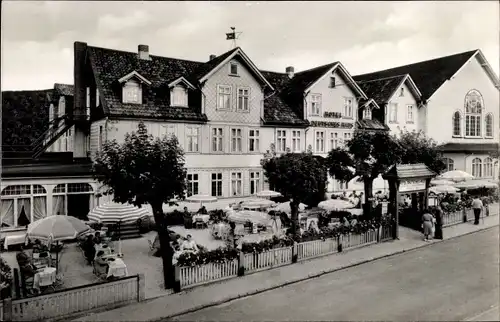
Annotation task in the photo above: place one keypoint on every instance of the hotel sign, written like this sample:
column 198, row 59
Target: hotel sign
column 333, row 115
column 411, row 185
column 339, row 125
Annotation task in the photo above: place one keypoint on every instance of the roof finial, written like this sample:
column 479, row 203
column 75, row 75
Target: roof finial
column 233, row 35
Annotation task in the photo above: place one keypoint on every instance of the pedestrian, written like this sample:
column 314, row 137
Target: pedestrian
column 477, row 205
column 438, row 228
column 427, row 224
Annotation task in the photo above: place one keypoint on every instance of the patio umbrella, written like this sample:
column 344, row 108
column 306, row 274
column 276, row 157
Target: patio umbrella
column 118, row 213
column 256, row 217
column 258, row 203
column 57, row 228
column 268, row 194
column 336, row 204
column 441, row 182
column 285, row 207
column 443, row 189
column 471, row 184
column 201, row 198
column 456, row 175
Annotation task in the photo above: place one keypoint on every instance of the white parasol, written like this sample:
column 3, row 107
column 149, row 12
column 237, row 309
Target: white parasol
column 456, row 175
column 256, row 217
column 57, row 228
column 257, row 203
column 443, row 189
column 471, row 184
column 268, row 194
column 201, row 198
column 285, row 207
column 118, row 213
column 441, row 182
column 336, row 204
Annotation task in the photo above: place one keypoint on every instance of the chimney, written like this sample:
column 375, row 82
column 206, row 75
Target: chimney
column 79, row 80
column 212, row 57
column 290, row 71
column 143, row 51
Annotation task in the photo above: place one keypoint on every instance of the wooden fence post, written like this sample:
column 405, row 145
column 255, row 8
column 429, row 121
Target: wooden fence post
column 141, row 287
column 339, row 243
column 7, row 309
column 464, row 215
column 177, row 279
column 241, row 263
column 295, row 252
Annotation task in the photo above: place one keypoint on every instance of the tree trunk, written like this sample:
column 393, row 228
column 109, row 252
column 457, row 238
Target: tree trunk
column 294, row 207
column 165, row 249
column 367, row 209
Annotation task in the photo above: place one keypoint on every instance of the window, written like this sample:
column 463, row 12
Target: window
column 332, row 82
column 255, row 182
column 179, row 96
column 477, row 168
column 457, row 124
column 217, row 139
column 473, row 110
column 236, row 140
column 296, row 141
column 100, row 138
column 243, row 99
column 488, row 120
column 97, row 99
column 217, row 184
column 17, row 190
column 347, row 137
column 488, row 167
column 132, row 92
column 402, row 92
column 22, row 204
column 281, row 141
column 223, row 97
column 87, row 97
column 393, row 112
column 320, row 141
column 169, row 130
column 193, row 139
column 315, row 104
column 348, row 106
column 409, row 113
column 367, row 113
column 233, row 69
column 236, row 184
column 334, row 140
column 253, row 141
column 450, row 164
column 192, row 184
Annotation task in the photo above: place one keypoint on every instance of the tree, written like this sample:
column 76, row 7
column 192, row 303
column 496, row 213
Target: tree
column 417, row 148
column 301, row 177
column 366, row 155
column 144, row 170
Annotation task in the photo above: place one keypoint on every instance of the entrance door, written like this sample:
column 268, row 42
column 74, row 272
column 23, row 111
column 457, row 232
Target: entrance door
column 79, row 206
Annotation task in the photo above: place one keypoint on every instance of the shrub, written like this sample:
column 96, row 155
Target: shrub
column 174, row 218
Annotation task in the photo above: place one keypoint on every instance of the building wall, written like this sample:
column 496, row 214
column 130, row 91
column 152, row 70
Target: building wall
column 402, row 123
column 463, row 162
column 451, row 97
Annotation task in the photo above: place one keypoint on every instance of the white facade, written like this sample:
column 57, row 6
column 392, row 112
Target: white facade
column 403, row 112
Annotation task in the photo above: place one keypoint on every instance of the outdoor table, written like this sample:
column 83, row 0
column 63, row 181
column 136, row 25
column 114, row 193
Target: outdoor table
column 204, row 218
column 45, row 277
column 105, row 248
column 219, row 230
column 117, row 267
column 14, row 240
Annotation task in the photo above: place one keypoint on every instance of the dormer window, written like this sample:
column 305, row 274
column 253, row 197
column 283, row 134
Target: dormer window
column 367, row 113
column 132, row 92
column 179, row 96
column 332, row 82
column 233, row 69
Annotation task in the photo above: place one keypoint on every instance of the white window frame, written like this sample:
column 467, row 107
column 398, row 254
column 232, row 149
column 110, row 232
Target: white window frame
column 334, row 140
column 296, row 140
column 224, row 91
column 191, row 184
column 236, row 184
column 130, row 89
column 242, row 97
column 190, row 143
column 217, row 136
column 348, row 107
column 315, row 104
column 255, row 180
column 236, row 135
column 457, row 124
column 473, row 115
column 281, row 140
column 488, row 167
column 179, row 96
column 409, row 114
column 254, row 140
column 319, row 141
column 367, row 113
column 477, row 168
column 450, row 164
column 218, row 181
column 488, row 126
column 393, row 113
column 231, row 64
column 347, row 137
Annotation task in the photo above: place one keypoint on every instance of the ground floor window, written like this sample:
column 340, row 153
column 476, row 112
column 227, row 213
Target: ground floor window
column 255, row 182
column 217, row 184
column 477, row 168
column 73, row 199
column 22, row 204
column 192, row 184
column 236, row 184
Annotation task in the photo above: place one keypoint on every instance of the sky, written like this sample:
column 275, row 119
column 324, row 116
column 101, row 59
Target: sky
column 37, row 37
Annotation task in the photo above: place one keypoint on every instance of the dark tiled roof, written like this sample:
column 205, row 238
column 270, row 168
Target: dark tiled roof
column 111, row 65
column 372, row 125
column 25, row 116
column 428, row 75
column 470, row 147
column 205, row 68
column 418, row 170
column 47, row 170
column 63, row 89
column 302, row 80
column 381, row 90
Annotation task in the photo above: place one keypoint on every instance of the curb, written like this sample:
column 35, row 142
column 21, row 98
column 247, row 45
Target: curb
column 311, row 276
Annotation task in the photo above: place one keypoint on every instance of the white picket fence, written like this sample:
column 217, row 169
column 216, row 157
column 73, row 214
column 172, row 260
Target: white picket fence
column 254, row 262
column 386, row 233
column 357, row 240
column 196, row 275
column 317, row 248
column 452, row 218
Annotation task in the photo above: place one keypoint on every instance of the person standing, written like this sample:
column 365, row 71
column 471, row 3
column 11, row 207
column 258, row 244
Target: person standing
column 477, row 205
column 438, row 229
column 427, row 224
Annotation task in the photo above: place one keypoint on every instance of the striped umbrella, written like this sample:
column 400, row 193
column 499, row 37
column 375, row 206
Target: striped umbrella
column 267, row 194
column 57, row 228
column 118, row 213
column 335, row 204
column 256, row 217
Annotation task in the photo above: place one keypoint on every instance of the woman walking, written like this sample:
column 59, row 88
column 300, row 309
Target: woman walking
column 427, row 224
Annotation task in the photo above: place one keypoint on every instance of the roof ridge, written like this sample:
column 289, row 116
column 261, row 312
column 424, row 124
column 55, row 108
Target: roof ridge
column 316, row 68
column 380, row 79
column 28, row 90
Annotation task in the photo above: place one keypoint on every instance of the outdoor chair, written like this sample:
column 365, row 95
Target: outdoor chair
column 199, row 224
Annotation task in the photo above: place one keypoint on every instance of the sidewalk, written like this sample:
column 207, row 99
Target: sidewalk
column 218, row 293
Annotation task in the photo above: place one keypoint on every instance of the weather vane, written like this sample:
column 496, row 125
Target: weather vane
column 233, row 35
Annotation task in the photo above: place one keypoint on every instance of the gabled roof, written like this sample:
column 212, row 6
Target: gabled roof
column 181, row 80
column 63, row 89
column 133, row 74
column 409, row 171
column 373, row 125
column 383, row 89
column 364, row 103
column 428, row 75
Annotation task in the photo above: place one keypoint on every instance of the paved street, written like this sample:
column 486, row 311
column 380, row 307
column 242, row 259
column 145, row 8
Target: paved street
column 454, row 280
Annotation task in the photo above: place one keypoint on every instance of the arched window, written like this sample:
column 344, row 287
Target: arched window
column 22, row 204
column 488, row 167
column 488, row 125
column 457, row 122
column 74, row 199
column 473, row 110
column 477, row 168
column 450, row 164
